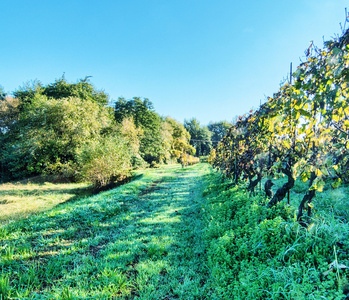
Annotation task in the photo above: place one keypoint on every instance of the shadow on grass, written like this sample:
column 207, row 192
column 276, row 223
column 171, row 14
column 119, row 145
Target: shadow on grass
column 115, row 184
column 143, row 238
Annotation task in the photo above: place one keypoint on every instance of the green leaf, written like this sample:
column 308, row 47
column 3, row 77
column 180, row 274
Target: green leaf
column 318, row 184
column 336, row 183
column 304, row 176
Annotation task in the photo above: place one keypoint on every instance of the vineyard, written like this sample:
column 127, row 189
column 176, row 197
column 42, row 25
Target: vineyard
column 299, row 133
column 108, row 194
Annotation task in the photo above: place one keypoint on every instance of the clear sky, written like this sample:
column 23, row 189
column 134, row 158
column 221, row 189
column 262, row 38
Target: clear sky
column 209, row 59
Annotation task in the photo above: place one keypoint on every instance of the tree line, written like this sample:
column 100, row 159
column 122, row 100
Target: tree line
column 300, row 132
column 71, row 132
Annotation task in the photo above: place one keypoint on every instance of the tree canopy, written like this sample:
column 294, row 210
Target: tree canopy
column 200, row 136
column 219, row 130
column 68, row 130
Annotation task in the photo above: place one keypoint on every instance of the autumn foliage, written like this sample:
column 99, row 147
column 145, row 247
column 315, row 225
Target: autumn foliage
column 300, row 132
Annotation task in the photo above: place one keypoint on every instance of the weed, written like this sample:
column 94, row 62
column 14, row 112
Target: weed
column 5, row 290
column 67, row 294
column 260, row 253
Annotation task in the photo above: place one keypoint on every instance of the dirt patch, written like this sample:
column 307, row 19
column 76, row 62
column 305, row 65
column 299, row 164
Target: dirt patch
column 153, row 187
column 94, row 250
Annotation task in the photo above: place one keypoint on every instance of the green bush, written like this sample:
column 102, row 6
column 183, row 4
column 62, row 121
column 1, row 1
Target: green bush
column 105, row 160
column 154, row 164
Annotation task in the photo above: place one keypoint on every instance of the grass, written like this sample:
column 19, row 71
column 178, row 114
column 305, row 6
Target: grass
column 141, row 240
column 259, row 253
column 19, row 200
column 172, row 233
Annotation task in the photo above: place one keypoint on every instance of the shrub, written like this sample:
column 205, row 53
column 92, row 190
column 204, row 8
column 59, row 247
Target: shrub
column 187, row 159
column 154, row 164
column 105, row 160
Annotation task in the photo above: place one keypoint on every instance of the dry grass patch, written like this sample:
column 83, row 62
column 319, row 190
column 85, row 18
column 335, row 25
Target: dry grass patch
column 19, row 200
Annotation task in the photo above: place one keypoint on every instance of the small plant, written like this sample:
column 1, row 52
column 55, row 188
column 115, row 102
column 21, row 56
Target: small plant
column 115, row 282
column 5, row 290
column 9, row 252
column 3, row 232
column 67, row 294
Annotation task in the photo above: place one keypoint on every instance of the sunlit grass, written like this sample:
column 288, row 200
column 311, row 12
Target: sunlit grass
column 157, row 237
column 141, row 240
column 19, row 200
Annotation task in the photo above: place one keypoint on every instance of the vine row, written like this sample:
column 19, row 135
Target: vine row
column 300, row 132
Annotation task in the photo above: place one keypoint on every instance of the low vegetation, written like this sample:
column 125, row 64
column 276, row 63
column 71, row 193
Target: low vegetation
column 141, row 240
column 257, row 252
column 173, row 233
column 19, row 200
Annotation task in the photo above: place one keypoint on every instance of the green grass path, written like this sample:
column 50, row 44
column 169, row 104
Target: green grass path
column 142, row 240
column 165, row 237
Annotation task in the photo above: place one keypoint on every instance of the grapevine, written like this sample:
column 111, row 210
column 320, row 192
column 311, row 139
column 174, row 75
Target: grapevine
column 300, row 132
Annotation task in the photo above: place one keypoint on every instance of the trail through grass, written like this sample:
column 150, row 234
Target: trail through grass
column 142, row 240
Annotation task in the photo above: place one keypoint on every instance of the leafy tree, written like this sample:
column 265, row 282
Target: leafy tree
column 43, row 126
column 132, row 136
column 175, row 140
column 49, row 131
column 219, row 130
column 9, row 109
column 83, row 90
column 148, row 120
column 9, row 113
column 200, row 136
column 131, row 133
column 2, row 93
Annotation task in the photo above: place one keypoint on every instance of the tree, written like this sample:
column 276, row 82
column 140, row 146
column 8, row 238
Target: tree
column 175, row 140
column 49, row 131
column 200, row 136
column 83, row 90
column 44, row 126
column 219, row 130
column 148, row 120
column 132, row 136
column 9, row 109
column 2, row 93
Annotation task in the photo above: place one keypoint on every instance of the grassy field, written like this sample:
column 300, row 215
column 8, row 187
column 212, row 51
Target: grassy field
column 170, row 233
column 141, row 240
column 19, row 200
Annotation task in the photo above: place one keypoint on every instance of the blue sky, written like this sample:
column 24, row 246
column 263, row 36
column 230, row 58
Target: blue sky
column 209, row 59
